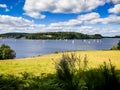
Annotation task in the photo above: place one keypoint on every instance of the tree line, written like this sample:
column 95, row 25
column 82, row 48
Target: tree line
column 51, row 35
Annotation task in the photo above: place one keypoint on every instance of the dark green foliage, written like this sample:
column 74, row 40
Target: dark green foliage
column 117, row 37
column 28, row 81
column 52, row 35
column 113, row 48
column 103, row 78
column 6, row 52
column 93, row 79
column 111, row 79
column 10, row 82
column 98, row 35
column 56, row 52
column 13, row 35
column 69, row 72
column 118, row 45
column 61, row 35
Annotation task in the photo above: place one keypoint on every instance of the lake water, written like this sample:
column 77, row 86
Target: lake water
column 28, row 48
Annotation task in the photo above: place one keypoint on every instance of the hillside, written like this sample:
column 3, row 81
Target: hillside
column 51, row 35
column 46, row 63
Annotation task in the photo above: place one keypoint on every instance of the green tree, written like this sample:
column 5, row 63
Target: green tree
column 113, row 48
column 6, row 52
column 118, row 45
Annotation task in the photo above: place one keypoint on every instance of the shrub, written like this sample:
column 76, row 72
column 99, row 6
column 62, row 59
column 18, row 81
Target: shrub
column 110, row 77
column 6, row 52
column 118, row 45
column 28, row 81
column 69, row 71
column 103, row 78
column 113, row 48
column 56, row 52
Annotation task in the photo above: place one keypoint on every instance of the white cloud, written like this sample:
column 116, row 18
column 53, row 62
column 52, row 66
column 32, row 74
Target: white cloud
column 34, row 8
column 91, row 18
column 80, row 20
column 3, row 6
column 19, row 24
column 94, row 18
column 83, row 24
column 89, row 24
column 113, row 1
column 7, row 10
column 111, row 31
column 115, row 9
column 111, row 19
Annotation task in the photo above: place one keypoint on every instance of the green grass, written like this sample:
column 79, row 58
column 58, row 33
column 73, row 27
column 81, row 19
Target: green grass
column 45, row 63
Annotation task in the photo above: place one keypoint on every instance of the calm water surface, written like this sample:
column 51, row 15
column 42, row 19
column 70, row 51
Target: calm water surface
column 28, row 48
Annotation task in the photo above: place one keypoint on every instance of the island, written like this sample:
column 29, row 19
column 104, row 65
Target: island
column 51, row 35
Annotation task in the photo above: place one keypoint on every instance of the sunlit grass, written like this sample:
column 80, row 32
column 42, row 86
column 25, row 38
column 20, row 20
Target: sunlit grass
column 45, row 64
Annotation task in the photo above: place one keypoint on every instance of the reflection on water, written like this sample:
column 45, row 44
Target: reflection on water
column 29, row 48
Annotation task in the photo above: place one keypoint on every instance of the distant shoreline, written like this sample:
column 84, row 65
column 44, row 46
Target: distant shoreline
column 60, row 52
column 51, row 35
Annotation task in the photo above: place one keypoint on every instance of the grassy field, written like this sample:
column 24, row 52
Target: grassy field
column 46, row 64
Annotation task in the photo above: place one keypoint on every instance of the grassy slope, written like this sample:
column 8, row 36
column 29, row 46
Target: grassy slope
column 45, row 64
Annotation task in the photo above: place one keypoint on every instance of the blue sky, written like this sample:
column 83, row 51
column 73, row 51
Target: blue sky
column 84, row 16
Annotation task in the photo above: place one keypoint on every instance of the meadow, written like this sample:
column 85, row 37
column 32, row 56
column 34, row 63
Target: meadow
column 46, row 63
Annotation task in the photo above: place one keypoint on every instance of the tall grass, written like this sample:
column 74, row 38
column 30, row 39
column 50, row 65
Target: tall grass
column 69, row 71
column 28, row 81
column 72, row 73
column 103, row 78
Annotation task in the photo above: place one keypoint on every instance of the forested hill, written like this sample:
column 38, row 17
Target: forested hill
column 51, row 35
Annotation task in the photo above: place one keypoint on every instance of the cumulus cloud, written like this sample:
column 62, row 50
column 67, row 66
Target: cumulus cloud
column 83, row 24
column 111, row 19
column 13, row 24
column 94, row 18
column 113, row 1
column 90, row 18
column 4, row 6
column 111, row 31
column 34, row 8
column 88, row 24
column 115, row 9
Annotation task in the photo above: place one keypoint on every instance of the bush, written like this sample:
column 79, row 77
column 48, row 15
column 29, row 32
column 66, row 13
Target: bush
column 56, row 52
column 28, row 81
column 103, row 78
column 6, row 52
column 113, row 48
column 69, row 72
column 118, row 45
column 73, row 75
